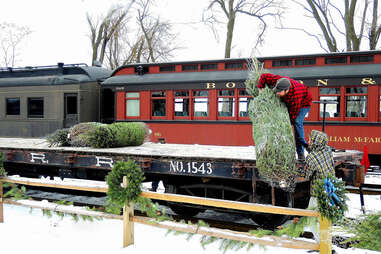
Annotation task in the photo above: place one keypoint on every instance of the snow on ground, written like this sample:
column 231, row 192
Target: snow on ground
column 27, row 231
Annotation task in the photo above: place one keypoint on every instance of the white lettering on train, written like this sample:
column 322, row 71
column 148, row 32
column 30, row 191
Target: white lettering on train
column 104, row 160
column 38, row 156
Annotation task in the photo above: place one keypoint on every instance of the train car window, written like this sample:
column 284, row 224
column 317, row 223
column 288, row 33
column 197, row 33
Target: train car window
column 305, row 61
column 356, row 101
column 158, row 102
column 13, row 106
column 330, row 94
column 335, row 60
column 279, row 63
column 189, row 67
column 36, row 107
column 132, row 104
column 244, row 100
column 233, row 66
column 181, row 103
column 330, row 90
column 208, row 66
column 167, row 68
column 201, row 103
column 226, row 103
column 361, row 59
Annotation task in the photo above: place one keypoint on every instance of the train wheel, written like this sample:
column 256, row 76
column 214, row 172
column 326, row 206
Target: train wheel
column 181, row 209
column 268, row 220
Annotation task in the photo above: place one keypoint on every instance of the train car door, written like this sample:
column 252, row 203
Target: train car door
column 71, row 109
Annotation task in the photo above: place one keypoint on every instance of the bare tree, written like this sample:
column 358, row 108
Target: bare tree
column 375, row 27
column 258, row 9
column 157, row 41
column 149, row 39
column 344, row 21
column 102, row 30
column 11, row 35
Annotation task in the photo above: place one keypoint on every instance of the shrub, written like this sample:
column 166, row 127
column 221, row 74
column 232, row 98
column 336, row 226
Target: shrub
column 59, row 138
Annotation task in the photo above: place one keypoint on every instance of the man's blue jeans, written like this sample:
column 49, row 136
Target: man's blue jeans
column 299, row 131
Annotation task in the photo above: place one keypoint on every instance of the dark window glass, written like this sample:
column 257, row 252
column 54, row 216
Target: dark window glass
column 190, row 67
column 226, row 93
column 167, row 68
column 208, row 66
column 158, row 94
column 278, row 63
column 356, row 106
column 158, row 107
column 36, row 107
column 233, row 65
column 305, row 61
column 243, row 92
column 13, row 106
column 181, row 93
column 356, row 90
column 71, row 105
column 361, row 59
column 330, row 90
column 200, row 93
column 158, row 103
column 335, row 60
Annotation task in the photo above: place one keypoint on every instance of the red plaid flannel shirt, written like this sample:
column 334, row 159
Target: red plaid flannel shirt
column 298, row 97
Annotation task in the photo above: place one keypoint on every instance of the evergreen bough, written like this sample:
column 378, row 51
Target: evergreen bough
column 367, row 231
column 272, row 133
column 2, row 170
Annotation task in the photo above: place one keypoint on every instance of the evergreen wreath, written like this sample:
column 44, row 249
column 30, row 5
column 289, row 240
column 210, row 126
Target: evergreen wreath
column 332, row 199
column 116, row 193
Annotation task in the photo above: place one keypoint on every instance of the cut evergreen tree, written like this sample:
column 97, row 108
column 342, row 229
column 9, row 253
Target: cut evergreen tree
column 272, row 132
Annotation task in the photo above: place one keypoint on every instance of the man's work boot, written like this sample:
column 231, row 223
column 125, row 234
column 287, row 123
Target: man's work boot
column 301, row 157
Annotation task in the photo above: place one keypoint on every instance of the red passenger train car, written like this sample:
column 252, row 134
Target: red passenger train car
column 205, row 102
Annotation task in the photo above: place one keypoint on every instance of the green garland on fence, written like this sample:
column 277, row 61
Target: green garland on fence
column 2, row 170
column 332, row 212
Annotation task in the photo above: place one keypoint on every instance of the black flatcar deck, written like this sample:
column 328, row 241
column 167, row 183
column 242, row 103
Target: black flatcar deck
column 166, row 159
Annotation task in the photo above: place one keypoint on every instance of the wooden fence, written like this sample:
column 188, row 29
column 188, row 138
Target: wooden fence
column 324, row 246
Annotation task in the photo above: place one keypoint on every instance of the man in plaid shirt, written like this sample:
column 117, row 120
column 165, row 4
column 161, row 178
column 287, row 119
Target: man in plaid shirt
column 298, row 101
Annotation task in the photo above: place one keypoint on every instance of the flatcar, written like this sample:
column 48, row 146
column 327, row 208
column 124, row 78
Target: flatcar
column 36, row 101
column 205, row 102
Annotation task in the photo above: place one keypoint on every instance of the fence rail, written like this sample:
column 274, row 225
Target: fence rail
column 324, row 246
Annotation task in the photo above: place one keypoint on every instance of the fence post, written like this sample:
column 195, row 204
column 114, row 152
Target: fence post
column 128, row 224
column 1, row 203
column 325, row 236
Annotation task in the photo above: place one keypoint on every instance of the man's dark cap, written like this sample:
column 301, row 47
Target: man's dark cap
column 282, row 84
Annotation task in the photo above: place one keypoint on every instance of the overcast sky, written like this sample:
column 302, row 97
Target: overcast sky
column 60, row 31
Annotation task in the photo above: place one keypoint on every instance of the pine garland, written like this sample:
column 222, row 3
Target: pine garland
column 334, row 212
column 366, row 230
column 2, row 170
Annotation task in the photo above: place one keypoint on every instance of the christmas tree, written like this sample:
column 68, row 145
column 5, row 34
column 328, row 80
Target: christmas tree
column 272, row 132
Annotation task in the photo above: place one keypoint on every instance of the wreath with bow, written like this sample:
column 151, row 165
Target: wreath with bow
column 330, row 193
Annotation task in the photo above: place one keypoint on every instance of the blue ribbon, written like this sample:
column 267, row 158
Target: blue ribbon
column 330, row 189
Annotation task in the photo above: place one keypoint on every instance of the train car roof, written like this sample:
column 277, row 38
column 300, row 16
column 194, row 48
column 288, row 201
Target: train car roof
column 315, row 72
column 176, row 77
column 52, row 75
